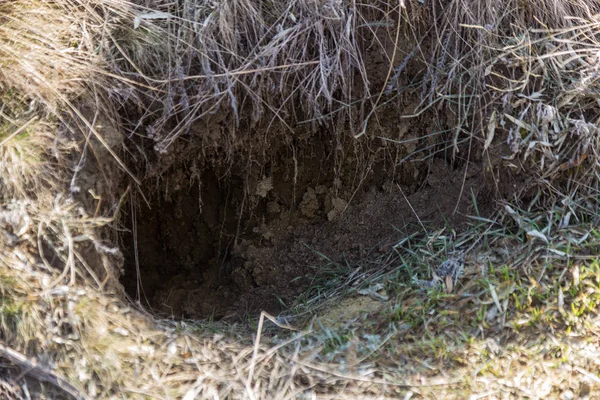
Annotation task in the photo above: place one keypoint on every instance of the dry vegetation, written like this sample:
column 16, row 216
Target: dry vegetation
column 79, row 78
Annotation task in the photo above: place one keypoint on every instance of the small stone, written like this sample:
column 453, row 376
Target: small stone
column 264, row 187
column 310, row 204
column 273, row 207
column 339, row 206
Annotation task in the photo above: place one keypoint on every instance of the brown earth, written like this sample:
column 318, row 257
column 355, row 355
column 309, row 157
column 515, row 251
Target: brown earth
column 200, row 257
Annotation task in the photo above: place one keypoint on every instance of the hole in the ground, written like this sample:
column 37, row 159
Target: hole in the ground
column 197, row 259
column 229, row 240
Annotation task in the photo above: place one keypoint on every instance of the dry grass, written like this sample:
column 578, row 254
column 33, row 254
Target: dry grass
column 522, row 322
column 226, row 57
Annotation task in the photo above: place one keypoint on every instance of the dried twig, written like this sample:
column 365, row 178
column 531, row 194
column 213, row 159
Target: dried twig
column 38, row 372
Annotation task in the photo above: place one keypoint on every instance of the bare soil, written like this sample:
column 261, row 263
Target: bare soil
column 224, row 248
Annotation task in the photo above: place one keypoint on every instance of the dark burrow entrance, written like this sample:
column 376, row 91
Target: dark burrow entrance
column 184, row 253
column 209, row 247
